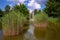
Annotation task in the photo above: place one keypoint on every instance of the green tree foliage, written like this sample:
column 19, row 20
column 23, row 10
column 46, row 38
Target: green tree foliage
column 1, row 13
column 53, row 8
column 7, row 8
column 22, row 8
column 15, row 18
column 37, row 11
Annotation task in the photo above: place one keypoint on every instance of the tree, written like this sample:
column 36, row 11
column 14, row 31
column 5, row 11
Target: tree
column 22, row 9
column 1, row 13
column 53, row 8
column 37, row 11
column 7, row 8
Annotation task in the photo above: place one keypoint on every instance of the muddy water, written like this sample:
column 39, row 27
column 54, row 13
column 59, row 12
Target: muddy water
column 1, row 35
column 29, row 35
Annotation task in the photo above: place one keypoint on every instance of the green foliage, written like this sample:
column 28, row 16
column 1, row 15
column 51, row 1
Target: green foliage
column 7, row 8
column 1, row 13
column 53, row 8
column 22, row 8
column 37, row 11
column 54, row 20
column 16, row 17
column 40, row 17
column 13, row 20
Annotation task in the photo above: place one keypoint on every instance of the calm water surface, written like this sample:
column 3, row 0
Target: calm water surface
column 1, row 35
column 29, row 35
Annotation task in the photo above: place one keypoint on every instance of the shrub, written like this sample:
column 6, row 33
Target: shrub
column 40, row 17
column 13, row 21
column 53, row 20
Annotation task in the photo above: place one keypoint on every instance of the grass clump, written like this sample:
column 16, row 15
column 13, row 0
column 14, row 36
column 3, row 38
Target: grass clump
column 13, row 21
column 40, row 17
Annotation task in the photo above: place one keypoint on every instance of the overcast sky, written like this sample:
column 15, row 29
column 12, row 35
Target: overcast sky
column 30, row 4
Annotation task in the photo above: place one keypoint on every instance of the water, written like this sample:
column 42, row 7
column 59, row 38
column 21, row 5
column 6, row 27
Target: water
column 29, row 35
column 1, row 35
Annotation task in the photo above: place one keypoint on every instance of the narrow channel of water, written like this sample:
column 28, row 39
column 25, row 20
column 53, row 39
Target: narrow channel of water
column 29, row 35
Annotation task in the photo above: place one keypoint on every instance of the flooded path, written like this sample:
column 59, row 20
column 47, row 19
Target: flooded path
column 29, row 35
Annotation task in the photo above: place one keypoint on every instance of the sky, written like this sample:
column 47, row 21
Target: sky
column 30, row 4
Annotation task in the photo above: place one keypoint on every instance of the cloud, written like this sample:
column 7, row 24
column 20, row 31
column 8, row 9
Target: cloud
column 18, row 1
column 21, row 1
column 33, row 5
column 10, row 6
column 41, row 1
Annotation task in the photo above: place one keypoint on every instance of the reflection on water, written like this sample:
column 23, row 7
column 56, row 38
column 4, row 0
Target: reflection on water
column 1, row 35
column 31, row 28
column 29, row 35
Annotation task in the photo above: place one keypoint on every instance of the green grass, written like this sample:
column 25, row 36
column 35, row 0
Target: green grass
column 14, row 21
column 54, row 20
column 40, row 17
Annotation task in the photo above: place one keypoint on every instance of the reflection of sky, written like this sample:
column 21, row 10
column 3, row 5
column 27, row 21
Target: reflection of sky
column 3, row 3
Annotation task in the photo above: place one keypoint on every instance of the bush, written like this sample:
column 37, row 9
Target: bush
column 54, row 20
column 13, row 17
column 40, row 17
column 40, row 21
column 13, row 21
